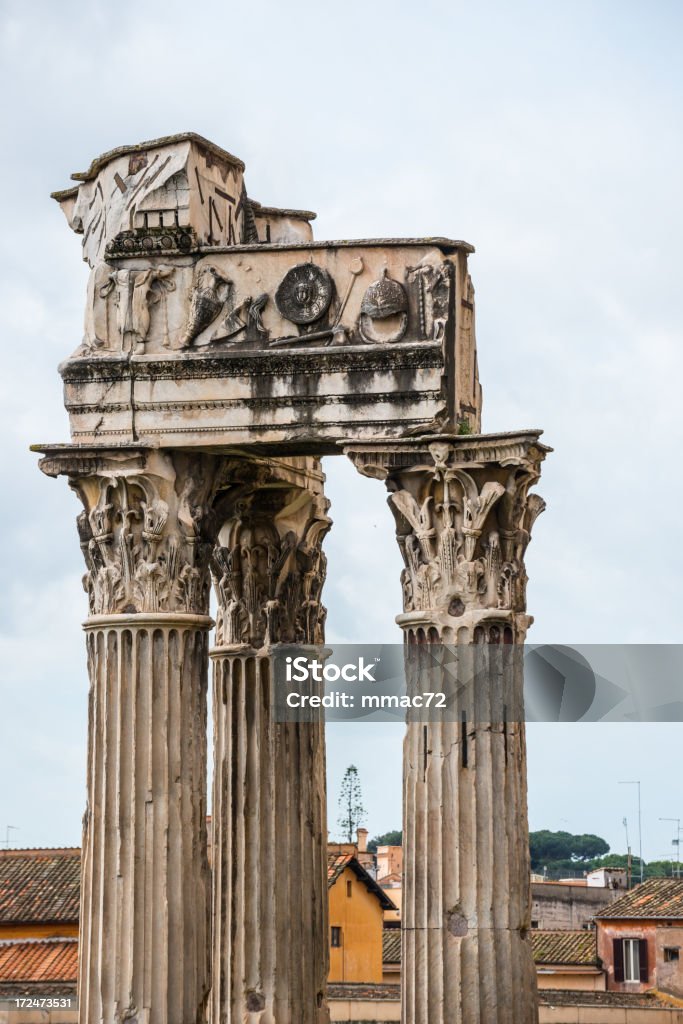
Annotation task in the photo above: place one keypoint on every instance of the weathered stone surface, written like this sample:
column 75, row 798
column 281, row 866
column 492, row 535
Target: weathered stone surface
column 145, row 885
column 464, row 517
column 154, row 525
column 270, row 952
column 224, row 351
column 170, row 195
column 211, row 319
column 198, row 350
column 146, row 537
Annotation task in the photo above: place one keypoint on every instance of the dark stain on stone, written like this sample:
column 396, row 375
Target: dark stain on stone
column 255, row 1002
column 456, row 923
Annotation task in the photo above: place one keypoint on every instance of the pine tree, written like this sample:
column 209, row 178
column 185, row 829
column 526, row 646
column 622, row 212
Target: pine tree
column 351, row 810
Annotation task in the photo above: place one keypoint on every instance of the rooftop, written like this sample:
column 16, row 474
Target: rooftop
column 570, row 948
column 39, row 885
column 338, row 862
column 356, row 990
column 140, row 147
column 655, row 898
column 567, row 997
column 23, row 960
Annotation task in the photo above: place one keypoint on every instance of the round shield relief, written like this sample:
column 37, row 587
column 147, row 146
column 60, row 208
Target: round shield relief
column 304, row 294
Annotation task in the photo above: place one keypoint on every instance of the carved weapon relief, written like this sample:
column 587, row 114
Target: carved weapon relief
column 463, row 534
column 250, row 301
column 384, row 311
column 304, row 294
column 210, row 293
column 433, row 281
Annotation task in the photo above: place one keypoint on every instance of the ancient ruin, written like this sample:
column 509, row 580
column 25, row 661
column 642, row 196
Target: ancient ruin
column 224, row 352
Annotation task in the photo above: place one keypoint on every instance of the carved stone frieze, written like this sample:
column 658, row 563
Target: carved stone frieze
column 221, row 326
column 463, row 522
column 269, row 567
column 127, row 297
column 384, row 311
column 304, row 294
column 157, row 241
column 433, row 282
column 210, row 293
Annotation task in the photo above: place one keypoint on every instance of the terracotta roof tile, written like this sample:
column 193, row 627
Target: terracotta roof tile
column 38, row 960
column 574, row 948
column 566, row 997
column 354, row 990
column 336, row 862
column 39, row 885
column 654, row 898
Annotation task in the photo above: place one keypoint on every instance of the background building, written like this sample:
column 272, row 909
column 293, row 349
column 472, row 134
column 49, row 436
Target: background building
column 356, row 913
column 640, row 938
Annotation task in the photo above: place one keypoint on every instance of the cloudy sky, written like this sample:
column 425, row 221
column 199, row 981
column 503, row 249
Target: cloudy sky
column 549, row 136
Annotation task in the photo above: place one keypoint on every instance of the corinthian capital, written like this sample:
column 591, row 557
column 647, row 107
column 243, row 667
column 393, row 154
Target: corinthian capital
column 145, row 530
column 463, row 522
column 268, row 565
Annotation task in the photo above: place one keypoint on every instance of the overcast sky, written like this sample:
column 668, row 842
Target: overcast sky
column 546, row 134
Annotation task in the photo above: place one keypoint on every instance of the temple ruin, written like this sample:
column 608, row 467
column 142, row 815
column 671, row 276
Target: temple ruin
column 224, row 353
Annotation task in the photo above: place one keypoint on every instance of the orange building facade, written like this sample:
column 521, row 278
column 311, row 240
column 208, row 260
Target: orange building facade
column 356, row 918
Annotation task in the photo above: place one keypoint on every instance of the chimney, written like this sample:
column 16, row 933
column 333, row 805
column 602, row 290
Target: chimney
column 362, row 836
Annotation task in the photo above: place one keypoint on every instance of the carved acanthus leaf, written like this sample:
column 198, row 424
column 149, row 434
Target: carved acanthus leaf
column 269, row 569
column 143, row 551
column 462, row 531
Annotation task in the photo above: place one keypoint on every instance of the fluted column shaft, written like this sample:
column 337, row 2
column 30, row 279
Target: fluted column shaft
column 466, row 897
column 145, row 882
column 270, row 944
column 146, row 538
column 270, row 858
column 464, row 515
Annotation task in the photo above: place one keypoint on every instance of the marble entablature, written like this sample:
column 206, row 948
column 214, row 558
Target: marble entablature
column 213, row 319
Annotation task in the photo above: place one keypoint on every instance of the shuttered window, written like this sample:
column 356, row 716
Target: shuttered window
column 630, row 960
column 644, row 971
column 618, row 956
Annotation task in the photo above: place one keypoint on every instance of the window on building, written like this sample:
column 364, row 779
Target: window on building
column 671, row 954
column 534, row 924
column 630, row 960
column 336, row 936
column 349, row 888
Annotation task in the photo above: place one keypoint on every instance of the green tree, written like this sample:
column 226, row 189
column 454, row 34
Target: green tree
column 546, row 848
column 394, row 838
column 662, row 869
column 587, row 847
column 615, row 860
column 351, row 810
column 564, row 851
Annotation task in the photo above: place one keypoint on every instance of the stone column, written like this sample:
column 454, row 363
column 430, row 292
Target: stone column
column 270, row 943
column 464, row 517
column 145, row 890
